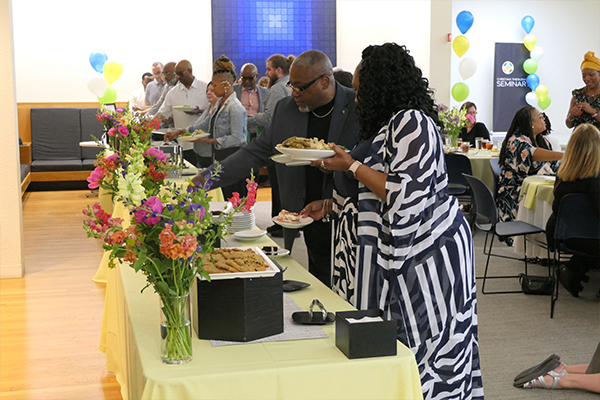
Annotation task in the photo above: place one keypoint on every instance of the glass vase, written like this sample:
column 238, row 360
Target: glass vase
column 175, row 329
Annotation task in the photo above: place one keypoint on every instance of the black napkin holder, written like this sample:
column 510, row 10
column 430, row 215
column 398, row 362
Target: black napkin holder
column 239, row 309
column 365, row 339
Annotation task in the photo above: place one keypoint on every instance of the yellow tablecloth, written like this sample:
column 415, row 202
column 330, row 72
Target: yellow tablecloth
column 303, row 369
column 480, row 164
column 537, row 186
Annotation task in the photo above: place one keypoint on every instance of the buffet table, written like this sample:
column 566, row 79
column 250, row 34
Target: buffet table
column 301, row 369
column 535, row 207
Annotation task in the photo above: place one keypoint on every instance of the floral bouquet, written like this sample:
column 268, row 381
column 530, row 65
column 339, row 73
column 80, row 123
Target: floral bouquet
column 453, row 119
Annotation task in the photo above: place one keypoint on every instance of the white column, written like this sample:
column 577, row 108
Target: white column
column 11, row 216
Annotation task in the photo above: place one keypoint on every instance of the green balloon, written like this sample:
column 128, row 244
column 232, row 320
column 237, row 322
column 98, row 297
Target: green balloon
column 460, row 91
column 544, row 104
column 109, row 97
column 530, row 66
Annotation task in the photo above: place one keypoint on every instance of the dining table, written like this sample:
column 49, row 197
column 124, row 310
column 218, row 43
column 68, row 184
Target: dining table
column 289, row 369
column 535, row 207
column 480, row 164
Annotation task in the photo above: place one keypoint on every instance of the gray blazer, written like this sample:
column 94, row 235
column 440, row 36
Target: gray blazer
column 288, row 121
column 262, row 95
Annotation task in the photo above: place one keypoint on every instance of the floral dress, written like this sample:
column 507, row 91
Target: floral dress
column 518, row 165
column 580, row 96
column 411, row 255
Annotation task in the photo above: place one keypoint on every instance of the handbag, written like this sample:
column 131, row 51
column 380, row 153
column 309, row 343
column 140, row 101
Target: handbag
column 531, row 284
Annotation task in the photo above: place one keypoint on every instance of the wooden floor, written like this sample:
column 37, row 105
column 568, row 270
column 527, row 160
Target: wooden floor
column 50, row 320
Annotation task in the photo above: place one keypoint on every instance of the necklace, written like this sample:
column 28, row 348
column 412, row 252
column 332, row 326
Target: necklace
column 323, row 116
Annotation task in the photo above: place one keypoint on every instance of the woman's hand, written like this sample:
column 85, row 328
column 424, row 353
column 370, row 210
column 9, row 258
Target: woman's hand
column 585, row 106
column 575, row 111
column 170, row 135
column 314, row 210
column 340, row 162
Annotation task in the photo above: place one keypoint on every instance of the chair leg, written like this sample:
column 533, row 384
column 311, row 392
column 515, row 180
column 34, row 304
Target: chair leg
column 525, row 251
column 485, row 274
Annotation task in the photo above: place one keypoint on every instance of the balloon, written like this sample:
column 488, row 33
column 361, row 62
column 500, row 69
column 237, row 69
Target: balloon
column 530, row 66
column 460, row 45
column 467, row 68
column 110, row 96
column 531, row 99
column 464, row 21
column 533, row 81
column 541, row 92
column 97, row 59
column 97, row 85
column 460, row 91
column 112, row 71
column 527, row 23
column 537, row 53
column 544, row 104
column 530, row 41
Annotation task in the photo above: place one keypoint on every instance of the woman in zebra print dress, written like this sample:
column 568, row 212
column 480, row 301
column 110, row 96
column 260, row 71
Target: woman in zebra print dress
column 401, row 243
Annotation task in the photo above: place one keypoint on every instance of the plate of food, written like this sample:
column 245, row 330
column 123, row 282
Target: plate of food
column 250, row 234
column 301, row 148
column 185, row 108
column 291, row 220
column 189, row 136
column 238, row 262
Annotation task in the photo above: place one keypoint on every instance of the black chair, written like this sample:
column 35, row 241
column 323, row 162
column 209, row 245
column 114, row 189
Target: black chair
column 576, row 219
column 456, row 166
column 495, row 164
column 487, row 221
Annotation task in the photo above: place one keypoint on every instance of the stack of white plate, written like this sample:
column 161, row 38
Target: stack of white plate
column 242, row 221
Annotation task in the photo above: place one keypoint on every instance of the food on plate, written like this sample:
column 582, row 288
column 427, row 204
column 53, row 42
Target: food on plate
column 198, row 132
column 296, row 142
column 233, row 260
column 288, row 217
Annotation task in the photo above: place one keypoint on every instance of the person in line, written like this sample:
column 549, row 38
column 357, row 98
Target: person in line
column 318, row 107
column 579, row 172
column 250, row 95
column 278, row 70
column 264, row 82
column 171, row 80
column 136, row 100
column 343, row 77
column 554, row 374
column 520, row 158
column 585, row 103
column 154, row 89
column 401, row 243
column 227, row 124
column 473, row 129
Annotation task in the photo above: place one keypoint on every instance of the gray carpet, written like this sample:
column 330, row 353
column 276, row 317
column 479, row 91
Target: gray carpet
column 515, row 330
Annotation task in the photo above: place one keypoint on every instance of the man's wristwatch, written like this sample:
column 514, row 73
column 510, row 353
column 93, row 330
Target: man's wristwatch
column 352, row 170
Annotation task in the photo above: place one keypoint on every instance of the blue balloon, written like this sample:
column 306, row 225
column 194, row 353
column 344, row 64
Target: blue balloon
column 527, row 23
column 97, row 59
column 464, row 21
column 533, row 81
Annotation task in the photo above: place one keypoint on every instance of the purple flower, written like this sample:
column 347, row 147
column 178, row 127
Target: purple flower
column 442, row 107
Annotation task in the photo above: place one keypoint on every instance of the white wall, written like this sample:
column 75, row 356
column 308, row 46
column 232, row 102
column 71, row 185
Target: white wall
column 566, row 30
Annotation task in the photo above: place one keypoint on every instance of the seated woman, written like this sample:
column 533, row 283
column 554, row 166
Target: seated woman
column 545, row 140
column 520, row 158
column 579, row 173
column 473, row 129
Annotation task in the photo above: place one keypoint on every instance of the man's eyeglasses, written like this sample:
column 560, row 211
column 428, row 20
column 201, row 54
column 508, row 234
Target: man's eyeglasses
column 248, row 78
column 302, row 88
column 180, row 74
column 166, row 73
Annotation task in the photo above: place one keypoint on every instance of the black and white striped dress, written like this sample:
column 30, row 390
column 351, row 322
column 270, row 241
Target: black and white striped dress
column 412, row 256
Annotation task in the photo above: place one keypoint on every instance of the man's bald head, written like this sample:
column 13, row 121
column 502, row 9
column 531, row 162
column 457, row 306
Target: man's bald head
column 315, row 61
column 185, row 73
column 249, row 73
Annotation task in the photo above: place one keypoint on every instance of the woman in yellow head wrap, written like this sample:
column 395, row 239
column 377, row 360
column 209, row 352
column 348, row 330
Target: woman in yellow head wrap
column 585, row 103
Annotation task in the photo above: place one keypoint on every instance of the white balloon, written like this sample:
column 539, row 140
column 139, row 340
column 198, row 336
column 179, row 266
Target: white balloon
column 467, row 68
column 536, row 53
column 97, row 84
column 531, row 99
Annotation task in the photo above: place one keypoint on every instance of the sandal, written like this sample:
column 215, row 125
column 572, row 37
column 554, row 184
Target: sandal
column 547, row 365
column 540, row 382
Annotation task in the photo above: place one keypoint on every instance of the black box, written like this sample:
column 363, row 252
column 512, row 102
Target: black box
column 239, row 309
column 365, row 339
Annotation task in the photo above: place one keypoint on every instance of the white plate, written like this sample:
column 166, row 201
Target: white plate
column 249, row 235
column 189, row 138
column 297, row 163
column 274, row 251
column 270, row 271
column 306, row 154
column 303, row 222
column 281, row 158
column 185, row 108
column 158, row 133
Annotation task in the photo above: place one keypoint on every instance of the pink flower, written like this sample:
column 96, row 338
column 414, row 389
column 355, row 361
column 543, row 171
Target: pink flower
column 147, row 212
column 112, row 131
column 153, row 152
column 470, row 118
column 95, row 178
column 123, row 130
column 235, row 200
column 119, row 110
column 113, row 158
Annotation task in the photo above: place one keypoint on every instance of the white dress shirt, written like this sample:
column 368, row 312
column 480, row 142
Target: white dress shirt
column 182, row 96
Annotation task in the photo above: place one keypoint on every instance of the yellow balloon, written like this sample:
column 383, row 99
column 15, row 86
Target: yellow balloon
column 460, row 45
column 530, row 41
column 112, row 71
column 541, row 92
